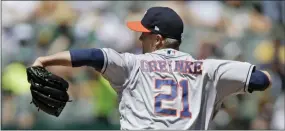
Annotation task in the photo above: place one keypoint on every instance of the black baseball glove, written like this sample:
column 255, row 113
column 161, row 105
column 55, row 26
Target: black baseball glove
column 49, row 92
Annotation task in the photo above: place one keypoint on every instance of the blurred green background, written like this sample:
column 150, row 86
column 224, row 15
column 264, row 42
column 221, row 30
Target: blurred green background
column 234, row 30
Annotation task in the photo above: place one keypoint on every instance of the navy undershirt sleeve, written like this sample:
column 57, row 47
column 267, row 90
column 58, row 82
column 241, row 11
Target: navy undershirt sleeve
column 258, row 81
column 87, row 57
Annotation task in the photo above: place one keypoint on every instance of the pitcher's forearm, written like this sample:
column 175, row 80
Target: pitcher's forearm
column 58, row 59
column 74, row 58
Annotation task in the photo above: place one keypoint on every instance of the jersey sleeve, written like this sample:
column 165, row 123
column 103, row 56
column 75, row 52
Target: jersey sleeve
column 117, row 66
column 229, row 77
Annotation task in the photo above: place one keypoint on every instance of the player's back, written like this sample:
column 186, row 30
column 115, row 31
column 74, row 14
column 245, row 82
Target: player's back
column 166, row 90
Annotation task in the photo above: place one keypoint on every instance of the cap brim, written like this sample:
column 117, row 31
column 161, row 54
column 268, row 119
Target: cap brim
column 137, row 26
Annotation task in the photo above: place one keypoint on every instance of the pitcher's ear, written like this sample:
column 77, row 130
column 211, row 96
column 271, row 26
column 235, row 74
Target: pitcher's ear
column 159, row 41
column 159, row 38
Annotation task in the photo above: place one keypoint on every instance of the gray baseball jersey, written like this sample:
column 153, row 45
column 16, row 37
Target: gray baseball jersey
column 168, row 89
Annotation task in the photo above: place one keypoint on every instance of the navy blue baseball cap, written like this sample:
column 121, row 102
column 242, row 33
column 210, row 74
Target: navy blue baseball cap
column 159, row 20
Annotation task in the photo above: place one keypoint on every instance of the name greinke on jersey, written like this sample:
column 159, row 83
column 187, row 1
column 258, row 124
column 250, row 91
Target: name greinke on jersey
column 181, row 66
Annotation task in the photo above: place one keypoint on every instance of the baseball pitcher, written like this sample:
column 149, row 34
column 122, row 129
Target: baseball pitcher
column 164, row 88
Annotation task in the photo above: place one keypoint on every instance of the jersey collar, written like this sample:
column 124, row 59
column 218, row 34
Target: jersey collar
column 169, row 52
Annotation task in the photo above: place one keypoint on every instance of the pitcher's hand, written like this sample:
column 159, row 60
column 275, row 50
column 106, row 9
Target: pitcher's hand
column 38, row 62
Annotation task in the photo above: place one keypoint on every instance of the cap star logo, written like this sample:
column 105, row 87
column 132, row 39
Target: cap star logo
column 156, row 28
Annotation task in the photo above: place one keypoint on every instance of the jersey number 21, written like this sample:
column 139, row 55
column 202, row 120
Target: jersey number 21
column 159, row 83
